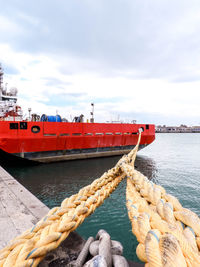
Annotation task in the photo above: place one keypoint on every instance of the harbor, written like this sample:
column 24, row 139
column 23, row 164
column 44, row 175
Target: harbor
column 99, row 134
column 20, row 211
column 26, row 141
column 53, row 182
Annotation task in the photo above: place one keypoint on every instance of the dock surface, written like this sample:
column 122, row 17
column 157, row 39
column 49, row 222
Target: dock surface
column 19, row 209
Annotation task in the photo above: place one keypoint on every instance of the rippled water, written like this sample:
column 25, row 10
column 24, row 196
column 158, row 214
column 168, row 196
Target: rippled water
column 173, row 161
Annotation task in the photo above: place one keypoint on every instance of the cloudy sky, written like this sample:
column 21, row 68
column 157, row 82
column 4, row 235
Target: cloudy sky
column 135, row 59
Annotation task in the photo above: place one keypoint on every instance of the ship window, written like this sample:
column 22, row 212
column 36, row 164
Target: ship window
column 50, row 134
column 76, row 134
column 88, row 134
column 64, row 134
column 127, row 133
column 13, row 125
column 23, row 125
column 147, row 126
column 118, row 133
column 98, row 133
column 134, row 133
column 109, row 133
column 35, row 129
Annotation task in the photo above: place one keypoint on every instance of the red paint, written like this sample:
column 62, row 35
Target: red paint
column 53, row 136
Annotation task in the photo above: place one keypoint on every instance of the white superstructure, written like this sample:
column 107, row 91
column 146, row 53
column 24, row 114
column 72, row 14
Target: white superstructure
column 9, row 110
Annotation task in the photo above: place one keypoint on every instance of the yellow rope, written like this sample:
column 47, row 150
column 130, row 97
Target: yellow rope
column 31, row 247
column 168, row 234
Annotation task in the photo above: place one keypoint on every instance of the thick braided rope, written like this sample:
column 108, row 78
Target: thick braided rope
column 46, row 235
column 31, row 247
column 168, row 234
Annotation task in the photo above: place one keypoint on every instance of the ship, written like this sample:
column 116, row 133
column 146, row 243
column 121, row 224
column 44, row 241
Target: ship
column 52, row 138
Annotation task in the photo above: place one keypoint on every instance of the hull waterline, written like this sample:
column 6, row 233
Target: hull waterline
column 58, row 141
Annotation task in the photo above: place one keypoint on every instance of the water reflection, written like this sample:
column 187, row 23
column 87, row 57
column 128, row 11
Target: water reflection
column 146, row 166
column 53, row 182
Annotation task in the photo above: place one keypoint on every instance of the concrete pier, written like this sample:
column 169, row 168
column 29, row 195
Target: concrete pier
column 19, row 209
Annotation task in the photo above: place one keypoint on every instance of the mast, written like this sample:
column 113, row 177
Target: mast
column 92, row 113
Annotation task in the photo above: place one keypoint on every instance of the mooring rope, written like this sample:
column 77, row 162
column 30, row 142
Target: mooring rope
column 168, row 234
column 31, row 247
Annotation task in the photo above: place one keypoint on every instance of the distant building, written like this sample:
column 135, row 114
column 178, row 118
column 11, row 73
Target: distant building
column 195, row 129
column 177, row 129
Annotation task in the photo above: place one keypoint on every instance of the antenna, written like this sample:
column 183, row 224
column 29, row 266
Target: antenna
column 29, row 111
column 56, row 114
column 92, row 113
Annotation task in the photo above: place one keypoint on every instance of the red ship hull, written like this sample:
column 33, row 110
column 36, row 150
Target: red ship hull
column 57, row 141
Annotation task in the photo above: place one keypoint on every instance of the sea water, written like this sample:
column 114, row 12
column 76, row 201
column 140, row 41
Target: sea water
column 172, row 160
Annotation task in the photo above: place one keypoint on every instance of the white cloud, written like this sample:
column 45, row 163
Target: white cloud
column 27, row 19
column 138, row 64
column 8, row 27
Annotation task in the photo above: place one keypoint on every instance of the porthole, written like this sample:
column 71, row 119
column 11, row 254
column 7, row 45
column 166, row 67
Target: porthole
column 35, row 129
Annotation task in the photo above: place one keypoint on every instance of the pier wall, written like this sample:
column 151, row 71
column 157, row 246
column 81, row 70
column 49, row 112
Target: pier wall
column 19, row 209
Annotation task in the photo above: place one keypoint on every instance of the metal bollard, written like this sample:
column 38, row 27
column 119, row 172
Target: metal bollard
column 84, row 253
